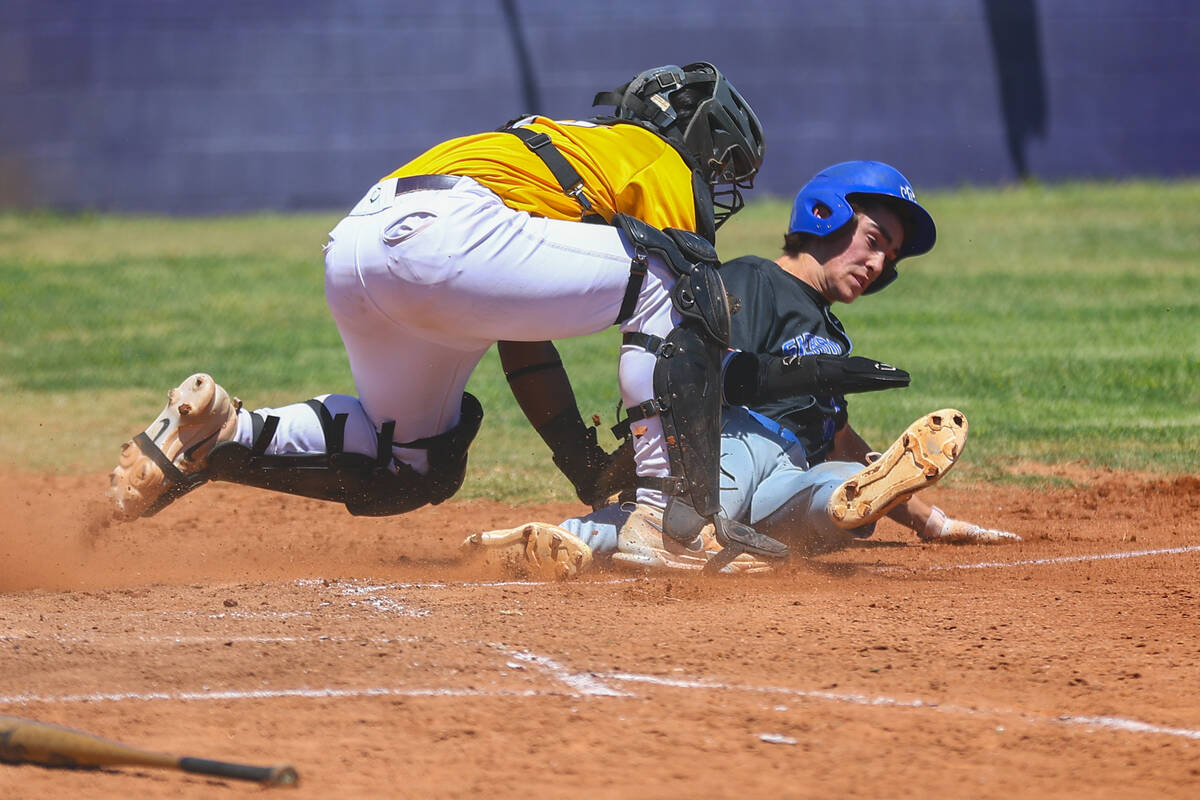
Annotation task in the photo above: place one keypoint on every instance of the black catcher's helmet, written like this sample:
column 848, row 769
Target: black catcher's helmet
column 699, row 111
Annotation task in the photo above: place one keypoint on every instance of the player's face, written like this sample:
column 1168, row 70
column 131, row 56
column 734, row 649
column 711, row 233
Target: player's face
column 875, row 241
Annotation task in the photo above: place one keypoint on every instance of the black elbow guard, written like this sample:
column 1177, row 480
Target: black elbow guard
column 752, row 378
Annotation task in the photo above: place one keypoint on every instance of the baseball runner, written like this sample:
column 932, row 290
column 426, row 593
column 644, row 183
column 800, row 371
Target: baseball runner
column 793, row 467
column 850, row 226
column 540, row 230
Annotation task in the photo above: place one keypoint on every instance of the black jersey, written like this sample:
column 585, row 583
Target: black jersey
column 782, row 315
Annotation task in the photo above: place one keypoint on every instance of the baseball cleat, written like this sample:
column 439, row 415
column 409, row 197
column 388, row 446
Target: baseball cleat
column 536, row 549
column 165, row 461
column 918, row 459
column 642, row 545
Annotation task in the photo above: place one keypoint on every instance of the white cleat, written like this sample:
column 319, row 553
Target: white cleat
column 159, row 464
column 642, row 545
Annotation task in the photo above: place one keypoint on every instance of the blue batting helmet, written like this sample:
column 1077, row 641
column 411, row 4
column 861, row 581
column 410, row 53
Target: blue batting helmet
column 823, row 207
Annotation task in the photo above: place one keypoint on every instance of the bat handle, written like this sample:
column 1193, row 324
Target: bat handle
column 280, row 775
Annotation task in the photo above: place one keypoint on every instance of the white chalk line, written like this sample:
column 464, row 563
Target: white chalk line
column 589, row 684
column 585, row 683
column 592, row 684
column 1112, row 723
column 104, row 638
column 264, row 694
column 1038, row 562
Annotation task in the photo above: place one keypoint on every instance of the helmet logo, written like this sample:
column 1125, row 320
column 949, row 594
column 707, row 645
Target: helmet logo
column 907, row 193
column 663, row 103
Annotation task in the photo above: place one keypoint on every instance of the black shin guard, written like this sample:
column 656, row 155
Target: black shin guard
column 365, row 484
column 688, row 402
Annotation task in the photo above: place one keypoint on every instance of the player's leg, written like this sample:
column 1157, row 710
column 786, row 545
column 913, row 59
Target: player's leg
column 327, row 448
column 411, row 392
column 171, row 457
column 821, row 508
column 420, row 284
column 402, row 442
column 631, row 534
column 766, row 483
column 791, row 506
column 676, row 428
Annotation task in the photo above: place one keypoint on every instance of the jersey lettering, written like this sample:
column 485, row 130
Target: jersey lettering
column 809, row 344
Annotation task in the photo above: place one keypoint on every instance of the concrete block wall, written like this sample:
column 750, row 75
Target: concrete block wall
column 235, row 105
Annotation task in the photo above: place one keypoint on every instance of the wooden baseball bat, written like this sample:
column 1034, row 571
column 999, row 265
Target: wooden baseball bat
column 26, row 741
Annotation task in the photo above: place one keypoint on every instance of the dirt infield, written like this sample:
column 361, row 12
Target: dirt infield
column 245, row 626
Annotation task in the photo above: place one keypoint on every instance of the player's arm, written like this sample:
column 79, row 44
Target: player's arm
column 540, row 384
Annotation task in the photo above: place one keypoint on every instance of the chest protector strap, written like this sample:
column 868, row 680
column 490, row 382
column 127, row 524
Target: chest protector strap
column 567, row 176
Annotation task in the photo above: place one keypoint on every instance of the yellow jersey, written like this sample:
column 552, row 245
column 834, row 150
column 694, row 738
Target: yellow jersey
column 626, row 169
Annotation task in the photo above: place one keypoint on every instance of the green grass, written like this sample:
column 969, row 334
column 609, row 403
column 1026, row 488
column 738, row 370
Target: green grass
column 1064, row 320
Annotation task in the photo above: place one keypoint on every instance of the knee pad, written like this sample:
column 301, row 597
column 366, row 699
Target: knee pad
column 701, row 296
column 699, row 293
